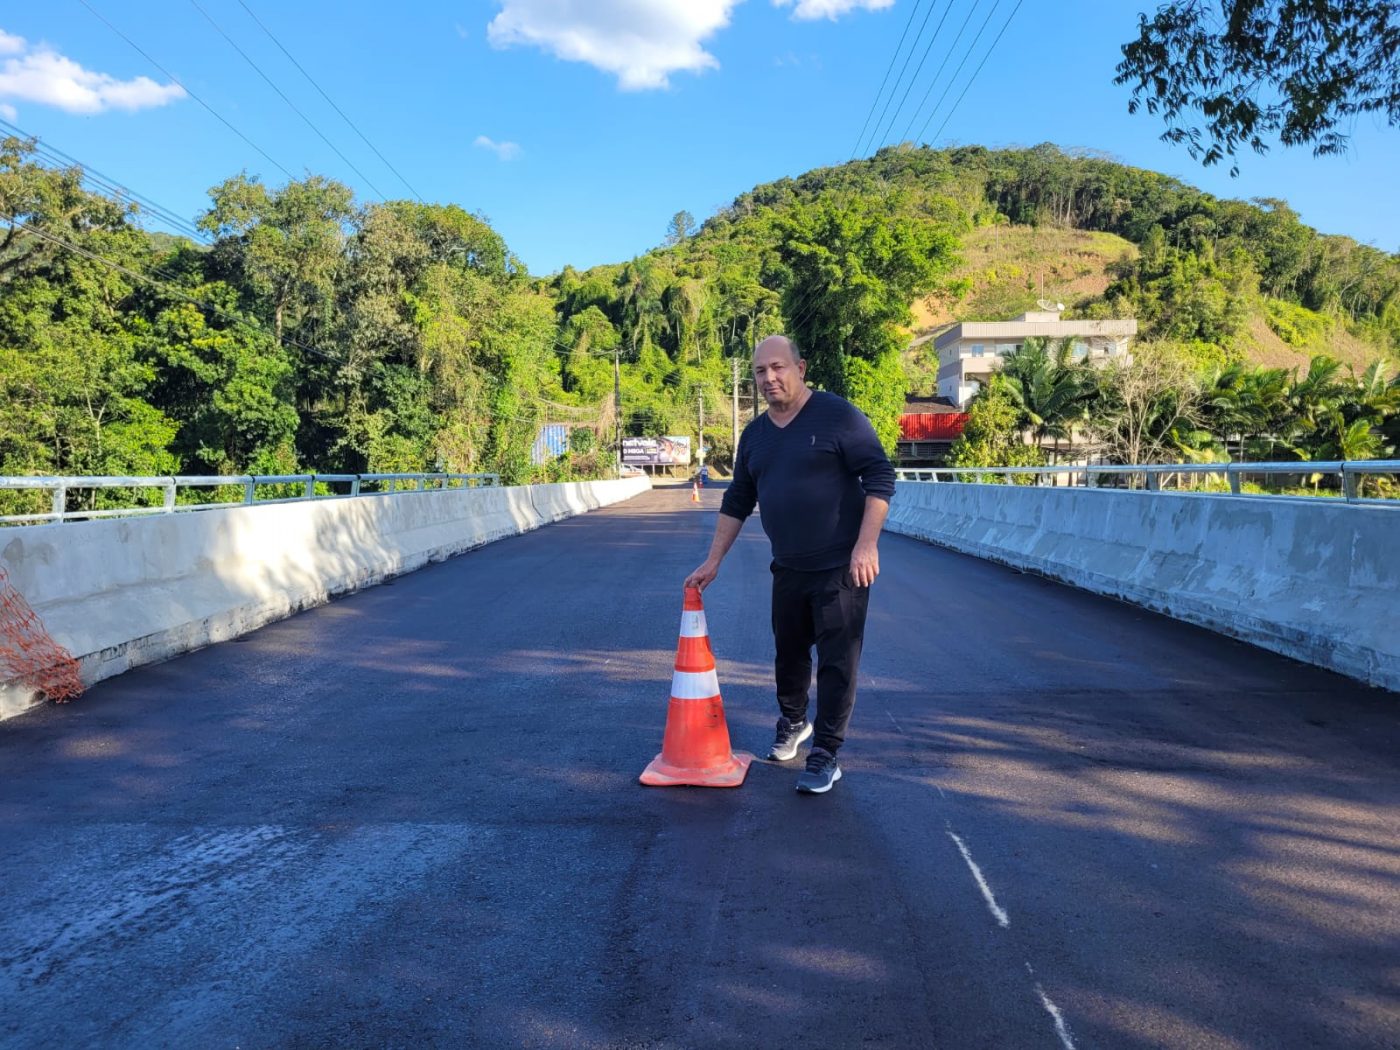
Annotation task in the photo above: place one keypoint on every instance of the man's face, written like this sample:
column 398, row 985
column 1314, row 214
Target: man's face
column 779, row 377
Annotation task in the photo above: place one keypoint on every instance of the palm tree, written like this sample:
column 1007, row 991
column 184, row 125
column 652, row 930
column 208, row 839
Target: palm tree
column 1390, row 426
column 1354, row 440
column 1251, row 405
column 641, row 288
column 1311, row 400
column 1051, row 393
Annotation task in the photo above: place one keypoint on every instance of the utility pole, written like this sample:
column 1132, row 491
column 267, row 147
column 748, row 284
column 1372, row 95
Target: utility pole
column 701, row 445
column 735, row 362
column 617, row 403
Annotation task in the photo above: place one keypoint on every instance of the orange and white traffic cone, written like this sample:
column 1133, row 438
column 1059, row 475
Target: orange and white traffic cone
column 695, row 492
column 695, row 749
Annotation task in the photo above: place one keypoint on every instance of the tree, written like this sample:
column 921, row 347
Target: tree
column 1315, row 400
column 229, row 387
column 680, row 229
column 992, row 435
column 287, row 243
column 1249, row 405
column 1150, row 410
column 39, row 204
column 1050, row 391
column 75, row 393
column 855, row 265
column 1254, row 69
column 641, row 287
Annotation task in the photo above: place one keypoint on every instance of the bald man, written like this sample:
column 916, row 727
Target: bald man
column 823, row 484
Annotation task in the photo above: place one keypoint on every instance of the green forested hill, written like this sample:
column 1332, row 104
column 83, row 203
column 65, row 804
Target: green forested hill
column 313, row 331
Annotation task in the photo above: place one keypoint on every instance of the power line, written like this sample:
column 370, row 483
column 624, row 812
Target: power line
column 811, row 300
column 106, row 182
column 913, row 10
column 331, row 101
column 988, row 55
column 899, row 79
column 175, row 80
column 808, row 302
column 172, row 289
column 282, row 95
column 939, row 75
column 918, row 69
column 202, row 304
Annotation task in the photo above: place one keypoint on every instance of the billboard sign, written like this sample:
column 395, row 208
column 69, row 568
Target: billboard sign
column 656, row 452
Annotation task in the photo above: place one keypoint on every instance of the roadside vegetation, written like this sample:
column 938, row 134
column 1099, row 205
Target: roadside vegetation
column 306, row 330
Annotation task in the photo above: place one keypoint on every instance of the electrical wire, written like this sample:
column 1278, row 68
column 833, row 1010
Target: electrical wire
column 108, row 184
column 913, row 10
column 919, row 69
column 283, row 96
column 954, row 109
column 175, row 80
column 914, row 117
column 899, row 79
column 180, row 294
column 330, row 101
column 157, row 282
column 808, row 302
column 801, row 315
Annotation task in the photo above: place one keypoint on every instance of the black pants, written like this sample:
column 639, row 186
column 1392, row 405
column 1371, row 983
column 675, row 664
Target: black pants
column 827, row 610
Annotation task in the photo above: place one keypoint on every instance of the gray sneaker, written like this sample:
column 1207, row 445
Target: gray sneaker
column 821, row 772
column 790, row 736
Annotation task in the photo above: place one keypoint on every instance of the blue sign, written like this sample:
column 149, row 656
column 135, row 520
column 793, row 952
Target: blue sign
column 550, row 443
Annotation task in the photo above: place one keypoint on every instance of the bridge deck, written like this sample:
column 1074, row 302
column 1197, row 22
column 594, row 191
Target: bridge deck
column 411, row 818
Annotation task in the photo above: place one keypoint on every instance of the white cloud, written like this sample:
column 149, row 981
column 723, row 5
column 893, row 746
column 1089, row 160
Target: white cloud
column 503, row 150
column 40, row 74
column 641, row 42
column 9, row 112
column 809, row 10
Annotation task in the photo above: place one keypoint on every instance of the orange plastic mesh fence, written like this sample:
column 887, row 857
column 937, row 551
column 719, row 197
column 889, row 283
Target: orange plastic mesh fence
column 28, row 654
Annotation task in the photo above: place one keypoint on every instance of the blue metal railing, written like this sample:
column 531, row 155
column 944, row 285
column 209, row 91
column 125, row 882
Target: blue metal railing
column 356, row 485
column 1156, row 477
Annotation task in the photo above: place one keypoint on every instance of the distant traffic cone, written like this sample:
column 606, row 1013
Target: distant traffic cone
column 695, row 749
column 695, row 492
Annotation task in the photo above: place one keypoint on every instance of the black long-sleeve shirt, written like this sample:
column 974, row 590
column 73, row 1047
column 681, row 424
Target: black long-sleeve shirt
column 810, row 479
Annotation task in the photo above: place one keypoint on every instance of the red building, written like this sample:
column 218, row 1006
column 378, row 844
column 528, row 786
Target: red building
column 927, row 428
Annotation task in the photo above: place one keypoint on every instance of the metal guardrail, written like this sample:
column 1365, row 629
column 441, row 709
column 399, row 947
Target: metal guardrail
column 379, row 485
column 1156, row 475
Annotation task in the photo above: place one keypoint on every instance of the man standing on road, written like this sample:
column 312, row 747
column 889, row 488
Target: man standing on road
column 823, row 485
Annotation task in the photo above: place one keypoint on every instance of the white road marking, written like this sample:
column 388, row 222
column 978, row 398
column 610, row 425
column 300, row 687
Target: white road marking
column 998, row 912
column 1061, row 1029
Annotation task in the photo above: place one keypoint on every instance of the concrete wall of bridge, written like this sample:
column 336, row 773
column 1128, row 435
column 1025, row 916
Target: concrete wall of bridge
column 1314, row 579
column 121, row 592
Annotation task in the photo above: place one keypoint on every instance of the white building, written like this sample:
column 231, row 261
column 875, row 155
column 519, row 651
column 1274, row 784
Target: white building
column 970, row 351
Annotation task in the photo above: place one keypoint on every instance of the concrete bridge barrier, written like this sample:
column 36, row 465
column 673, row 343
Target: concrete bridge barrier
column 1314, row 579
column 120, row 592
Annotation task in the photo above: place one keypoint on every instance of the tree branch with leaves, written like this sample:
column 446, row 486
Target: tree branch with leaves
column 1233, row 75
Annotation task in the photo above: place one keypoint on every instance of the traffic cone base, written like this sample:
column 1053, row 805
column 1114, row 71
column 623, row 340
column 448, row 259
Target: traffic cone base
column 729, row 775
column 695, row 750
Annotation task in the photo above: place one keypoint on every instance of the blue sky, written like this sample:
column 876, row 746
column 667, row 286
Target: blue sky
column 578, row 127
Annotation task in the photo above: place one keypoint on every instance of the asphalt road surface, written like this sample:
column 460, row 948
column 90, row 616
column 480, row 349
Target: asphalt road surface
column 411, row 818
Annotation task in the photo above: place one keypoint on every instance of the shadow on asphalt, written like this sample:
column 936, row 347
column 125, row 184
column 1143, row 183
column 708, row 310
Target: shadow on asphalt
column 411, row 817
